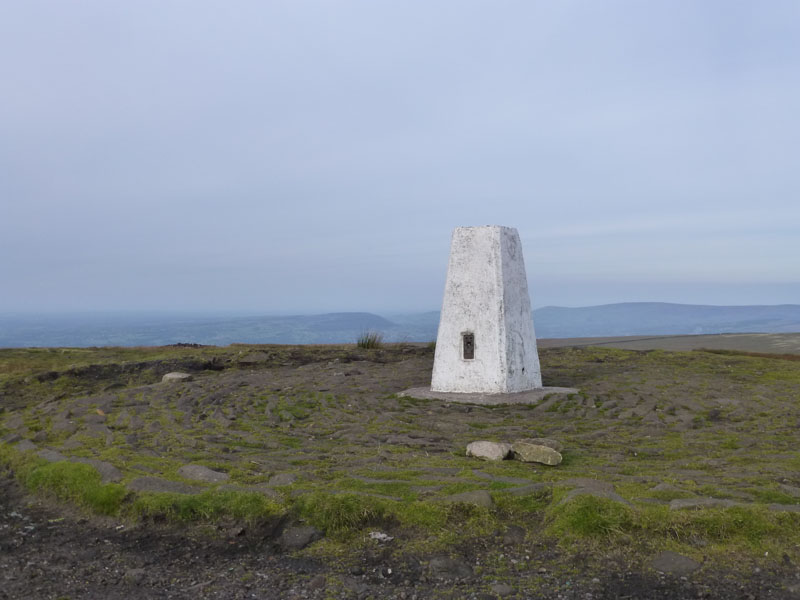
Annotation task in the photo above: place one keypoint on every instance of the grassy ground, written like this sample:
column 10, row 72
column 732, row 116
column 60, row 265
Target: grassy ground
column 318, row 435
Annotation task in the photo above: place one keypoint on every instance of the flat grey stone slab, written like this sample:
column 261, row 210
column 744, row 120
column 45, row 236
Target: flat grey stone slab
column 156, row 484
column 477, row 497
column 527, row 397
column 201, row 473
column 533, row 489
column 26, row 445
column 51, row 455
column 108, row 472
column 784, row 507
column 698, row 503
column 281, row 479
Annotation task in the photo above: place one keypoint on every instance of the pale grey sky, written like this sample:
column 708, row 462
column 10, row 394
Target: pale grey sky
column 314, row 156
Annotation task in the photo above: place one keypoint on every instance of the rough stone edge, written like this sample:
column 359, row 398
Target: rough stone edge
column 527, row 397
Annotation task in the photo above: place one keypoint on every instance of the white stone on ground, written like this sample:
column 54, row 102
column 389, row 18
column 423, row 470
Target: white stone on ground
column 176, row 376
column 489, row 450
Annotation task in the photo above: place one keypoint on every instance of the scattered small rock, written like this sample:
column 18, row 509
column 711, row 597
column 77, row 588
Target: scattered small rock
column 526, row 451
column 489, row 450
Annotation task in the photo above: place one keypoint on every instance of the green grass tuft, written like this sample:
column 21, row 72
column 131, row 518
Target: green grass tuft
column 370, row 339
column 589, row 516
column 339, row 512
column 78, row 483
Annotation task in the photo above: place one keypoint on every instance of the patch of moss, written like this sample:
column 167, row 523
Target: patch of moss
column 208, row 506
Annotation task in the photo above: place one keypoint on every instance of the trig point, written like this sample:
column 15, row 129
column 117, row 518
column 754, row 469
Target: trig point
column 486, row 343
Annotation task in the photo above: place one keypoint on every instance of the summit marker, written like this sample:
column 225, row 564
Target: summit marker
column 486, row 341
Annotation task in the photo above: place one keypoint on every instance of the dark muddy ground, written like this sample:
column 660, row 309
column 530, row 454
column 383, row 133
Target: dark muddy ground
column 51, row 554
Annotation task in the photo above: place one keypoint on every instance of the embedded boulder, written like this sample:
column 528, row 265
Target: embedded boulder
column 297, row 538
column 531, row 451
column 489, row 450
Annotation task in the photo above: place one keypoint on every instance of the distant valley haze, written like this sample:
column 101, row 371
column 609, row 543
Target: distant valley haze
column 149, row 329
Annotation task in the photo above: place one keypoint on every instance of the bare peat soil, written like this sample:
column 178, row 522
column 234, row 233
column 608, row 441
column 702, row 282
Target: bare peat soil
column 53, row 554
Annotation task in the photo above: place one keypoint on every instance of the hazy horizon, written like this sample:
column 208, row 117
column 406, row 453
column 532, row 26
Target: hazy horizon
column 302, row 158
column 223, row 313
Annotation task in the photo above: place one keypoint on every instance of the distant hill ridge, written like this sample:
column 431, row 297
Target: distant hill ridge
column 662, row 318
column 629, row 318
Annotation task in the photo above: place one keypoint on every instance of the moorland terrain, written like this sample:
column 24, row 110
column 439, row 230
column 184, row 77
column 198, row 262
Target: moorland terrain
column 298, row 471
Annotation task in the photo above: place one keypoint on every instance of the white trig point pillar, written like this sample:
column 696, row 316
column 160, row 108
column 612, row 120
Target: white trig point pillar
column 486, row 343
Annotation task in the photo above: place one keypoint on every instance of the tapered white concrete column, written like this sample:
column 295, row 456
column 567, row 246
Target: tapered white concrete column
column 486, row 342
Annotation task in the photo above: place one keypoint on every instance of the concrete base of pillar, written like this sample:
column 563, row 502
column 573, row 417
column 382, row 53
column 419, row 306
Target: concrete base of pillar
column 534, row 396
